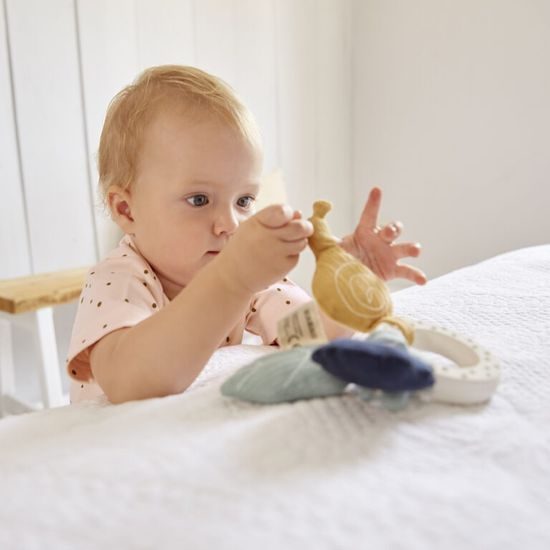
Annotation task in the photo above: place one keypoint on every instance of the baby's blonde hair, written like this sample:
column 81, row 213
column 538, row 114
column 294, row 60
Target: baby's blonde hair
column 131, row 110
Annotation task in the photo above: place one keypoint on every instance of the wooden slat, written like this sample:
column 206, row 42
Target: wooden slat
column 50, row 127
column 108, row 49
column 37, row 291
column 334, row 115
column 14, row 249
column 256, row 73
column 297, row 91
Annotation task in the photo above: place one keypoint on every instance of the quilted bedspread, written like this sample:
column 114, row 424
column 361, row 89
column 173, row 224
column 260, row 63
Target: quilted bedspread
column 198, row 470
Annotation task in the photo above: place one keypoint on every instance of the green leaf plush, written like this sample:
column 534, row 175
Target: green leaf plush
column 282, row 376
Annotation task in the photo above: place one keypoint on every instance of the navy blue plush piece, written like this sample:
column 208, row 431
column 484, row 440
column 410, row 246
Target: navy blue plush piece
column 374, row 365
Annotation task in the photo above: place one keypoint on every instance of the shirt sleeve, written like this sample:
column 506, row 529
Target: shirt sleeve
column 117, row 294
column 270, row 305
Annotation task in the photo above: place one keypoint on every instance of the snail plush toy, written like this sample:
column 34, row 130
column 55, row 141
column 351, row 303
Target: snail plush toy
column 380, row 363
column 346, row 289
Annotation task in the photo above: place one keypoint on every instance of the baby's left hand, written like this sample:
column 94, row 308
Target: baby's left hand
column 375, row 247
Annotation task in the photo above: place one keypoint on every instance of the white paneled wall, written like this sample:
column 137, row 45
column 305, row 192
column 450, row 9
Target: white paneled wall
column 315, row 89
column 63, row 60
column 107, row 41
column 14, row 245
column 50, row 127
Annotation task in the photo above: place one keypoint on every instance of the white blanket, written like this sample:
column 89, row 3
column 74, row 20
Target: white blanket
column 201, row 471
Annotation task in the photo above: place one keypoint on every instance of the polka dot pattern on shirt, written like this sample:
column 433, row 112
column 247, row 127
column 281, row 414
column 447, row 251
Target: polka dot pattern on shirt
column 154, row 305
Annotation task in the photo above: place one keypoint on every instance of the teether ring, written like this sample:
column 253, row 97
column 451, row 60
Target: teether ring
column 475, row 377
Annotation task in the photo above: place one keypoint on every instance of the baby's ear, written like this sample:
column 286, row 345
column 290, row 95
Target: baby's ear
column 119, row 201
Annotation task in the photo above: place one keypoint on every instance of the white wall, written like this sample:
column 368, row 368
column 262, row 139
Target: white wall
column 452, row 118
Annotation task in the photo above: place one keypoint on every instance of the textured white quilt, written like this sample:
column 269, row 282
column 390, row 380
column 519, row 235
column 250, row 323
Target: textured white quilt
column 201, row 471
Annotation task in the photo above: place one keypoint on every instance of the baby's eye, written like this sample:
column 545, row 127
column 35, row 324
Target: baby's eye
column 246, row 202
column 197, row 200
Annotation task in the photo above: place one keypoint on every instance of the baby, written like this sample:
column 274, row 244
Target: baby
column 180, row 163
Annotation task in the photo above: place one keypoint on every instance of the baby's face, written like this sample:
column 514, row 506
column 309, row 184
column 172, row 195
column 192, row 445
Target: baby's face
column 196, row 182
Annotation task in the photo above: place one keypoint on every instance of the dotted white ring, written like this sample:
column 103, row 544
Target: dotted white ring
column 477, row 374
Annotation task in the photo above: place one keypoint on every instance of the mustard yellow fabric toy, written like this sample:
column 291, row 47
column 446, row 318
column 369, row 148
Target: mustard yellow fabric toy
column 345, row 289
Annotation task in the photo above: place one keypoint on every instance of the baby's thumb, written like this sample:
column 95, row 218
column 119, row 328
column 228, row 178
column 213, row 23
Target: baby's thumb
column 275, row 216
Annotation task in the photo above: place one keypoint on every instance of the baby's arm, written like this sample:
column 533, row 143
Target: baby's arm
column 163, row 354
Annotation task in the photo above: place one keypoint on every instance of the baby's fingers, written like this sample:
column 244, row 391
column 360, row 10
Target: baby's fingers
column 295, row 230
column 275, row 216
column 391, row 231
column 406, row 250
column 410, row 273
column 295, row 247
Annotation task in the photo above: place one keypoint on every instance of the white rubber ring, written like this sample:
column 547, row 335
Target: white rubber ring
column 476, row 375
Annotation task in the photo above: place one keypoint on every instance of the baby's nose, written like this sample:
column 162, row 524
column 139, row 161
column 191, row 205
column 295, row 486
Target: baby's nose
column 226, row 222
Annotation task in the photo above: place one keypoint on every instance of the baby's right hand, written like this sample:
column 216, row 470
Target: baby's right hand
column 265, row 247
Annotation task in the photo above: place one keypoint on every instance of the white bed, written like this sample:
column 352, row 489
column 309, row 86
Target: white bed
column 202, row 471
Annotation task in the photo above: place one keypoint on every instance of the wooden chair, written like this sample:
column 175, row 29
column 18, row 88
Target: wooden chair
column 29, row 302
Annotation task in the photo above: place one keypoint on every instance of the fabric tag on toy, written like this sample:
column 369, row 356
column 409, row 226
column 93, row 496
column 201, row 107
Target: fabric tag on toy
column 302, row 327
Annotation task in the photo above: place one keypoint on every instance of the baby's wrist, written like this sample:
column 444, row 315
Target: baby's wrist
column 229, row 276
